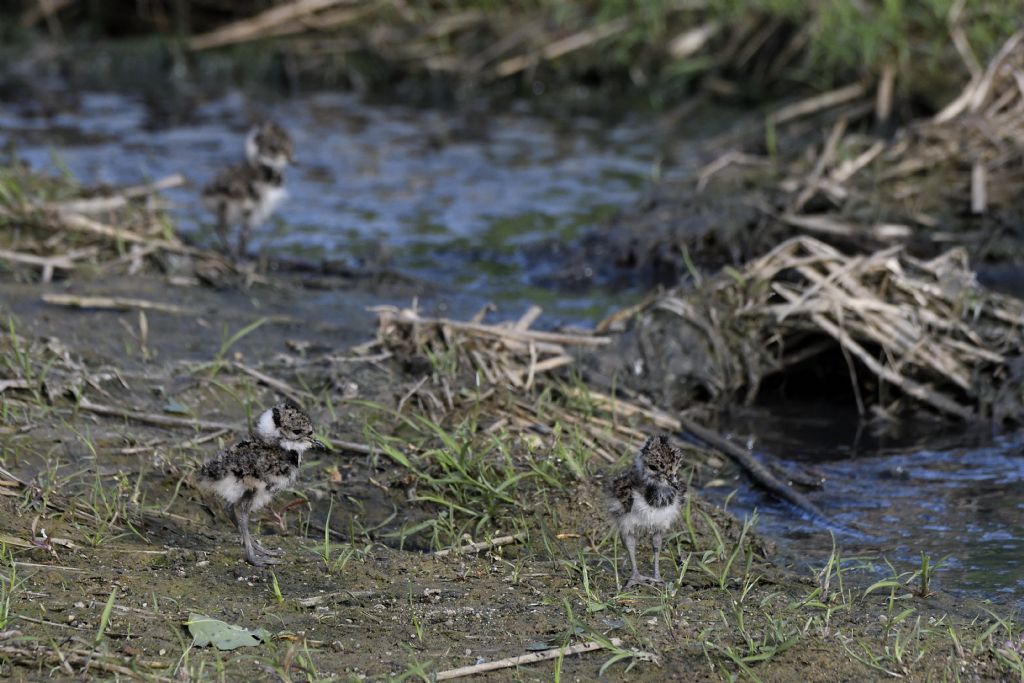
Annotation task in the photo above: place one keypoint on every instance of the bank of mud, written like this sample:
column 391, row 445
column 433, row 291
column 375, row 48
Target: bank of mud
column 444, row 433
column 829, row 167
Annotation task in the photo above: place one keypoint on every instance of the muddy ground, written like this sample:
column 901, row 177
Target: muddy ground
column 99, row 509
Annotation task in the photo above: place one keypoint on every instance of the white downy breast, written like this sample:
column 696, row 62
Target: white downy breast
column 643, row 516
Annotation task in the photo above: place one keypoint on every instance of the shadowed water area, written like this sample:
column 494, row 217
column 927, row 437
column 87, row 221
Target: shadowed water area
column 452, row 198
column 953, row 492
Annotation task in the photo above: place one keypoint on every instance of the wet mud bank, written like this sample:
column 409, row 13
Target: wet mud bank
column 425, row 459
column 444, row 433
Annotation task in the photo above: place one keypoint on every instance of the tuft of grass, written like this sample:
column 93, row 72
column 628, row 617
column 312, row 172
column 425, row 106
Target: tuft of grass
column 276, row 587
column 228, row 340
column 10, row 586
column 105, row 616
column 470, row 479
column 334, row 563
column 925, row 573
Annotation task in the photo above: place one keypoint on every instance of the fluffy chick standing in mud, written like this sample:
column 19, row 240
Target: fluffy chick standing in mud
column 246, row 195
column 249, row 473
column 646, row 498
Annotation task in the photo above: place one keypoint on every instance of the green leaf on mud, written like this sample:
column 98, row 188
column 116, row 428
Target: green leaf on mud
column 175, row 407
column 223, row 636
column 885, row 583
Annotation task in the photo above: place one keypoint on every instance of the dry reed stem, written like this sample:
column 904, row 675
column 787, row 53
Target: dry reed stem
column 818, row 103
column 48, row 263
column 297, row 395
column 470, row 548
column 561, row 47
column 114, row 303
column 531, row 658
column 118, row 199
column 267, row 22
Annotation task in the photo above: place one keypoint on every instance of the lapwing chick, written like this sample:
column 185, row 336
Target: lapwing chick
column 246, row 195
column 645, row 498
column 249, row 473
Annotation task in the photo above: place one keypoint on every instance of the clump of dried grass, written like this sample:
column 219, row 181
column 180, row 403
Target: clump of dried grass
column 520, row 374
column 53, row 225
column 921, row 185
column 924, row 328
column 508, row 352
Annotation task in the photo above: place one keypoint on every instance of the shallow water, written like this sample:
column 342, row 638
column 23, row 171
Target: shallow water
column 954, row 493
column 449, row 197
column 452, row 197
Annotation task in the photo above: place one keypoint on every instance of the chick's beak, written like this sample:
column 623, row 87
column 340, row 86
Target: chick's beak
column 317, row 443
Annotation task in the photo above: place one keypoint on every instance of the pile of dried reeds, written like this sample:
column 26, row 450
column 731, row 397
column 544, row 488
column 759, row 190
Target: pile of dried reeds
column 922, row 184
column 489, row 357
column 52, row 225
column 505, row 361
column 924, row 328
column 466, row 42
column 502, row 353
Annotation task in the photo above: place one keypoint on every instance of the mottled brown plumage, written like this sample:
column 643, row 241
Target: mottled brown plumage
column 247, row 194
column 255, row 460
column 249, row 473
column 646, row 497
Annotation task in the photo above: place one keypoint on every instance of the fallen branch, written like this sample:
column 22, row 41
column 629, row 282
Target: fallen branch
column 754, row 469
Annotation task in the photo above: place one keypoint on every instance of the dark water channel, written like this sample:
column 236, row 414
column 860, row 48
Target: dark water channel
column 452, row 198
column 952, row 492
